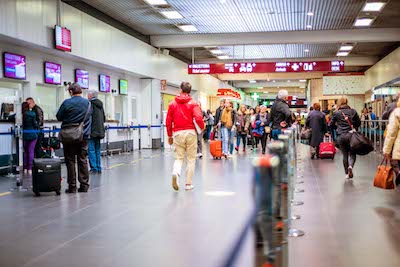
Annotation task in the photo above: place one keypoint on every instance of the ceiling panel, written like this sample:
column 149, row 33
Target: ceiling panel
column 229, row 16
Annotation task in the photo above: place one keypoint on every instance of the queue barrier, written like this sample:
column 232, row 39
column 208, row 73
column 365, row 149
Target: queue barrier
column 275, row 179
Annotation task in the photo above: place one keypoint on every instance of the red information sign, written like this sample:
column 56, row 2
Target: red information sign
column 266, row 67
column 63, row 38
column 228, row 93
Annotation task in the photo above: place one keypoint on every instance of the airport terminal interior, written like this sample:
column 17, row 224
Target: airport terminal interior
column 199, row 133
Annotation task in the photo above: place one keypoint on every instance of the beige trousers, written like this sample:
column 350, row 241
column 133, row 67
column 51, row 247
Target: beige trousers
column 185, row 142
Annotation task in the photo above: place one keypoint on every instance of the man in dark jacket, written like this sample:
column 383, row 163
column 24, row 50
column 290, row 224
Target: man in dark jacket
column 40, row 121
column 97, row 132
column 76, row 110
column 280, row 114
column 389, row 109
column 218, row 113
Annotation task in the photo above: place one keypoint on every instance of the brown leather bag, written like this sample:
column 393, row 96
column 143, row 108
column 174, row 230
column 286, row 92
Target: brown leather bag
column 384, row 177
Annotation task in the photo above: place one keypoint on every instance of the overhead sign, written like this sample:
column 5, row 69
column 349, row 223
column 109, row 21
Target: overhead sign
column 63, row 38
column 266, row 67
column 228, row 93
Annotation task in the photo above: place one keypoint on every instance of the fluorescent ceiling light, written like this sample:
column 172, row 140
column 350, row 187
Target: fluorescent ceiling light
column 260, row 87
column 187, row 28
column 223, row 57
column 217, row 51
column 171, row 14
column 346, row 48
column 288, row 81
column 302, row 81
column 310, row 14
column 157, row 2
column 342, row 54
column 363, row 22
column 309, row 26
column 252, row 81
column 374, row 7
column 266, row 92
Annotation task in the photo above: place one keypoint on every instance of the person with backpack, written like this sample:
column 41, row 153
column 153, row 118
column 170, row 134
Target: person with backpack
column 345, row 119
column 183, row 112
column 97, row 132
column 281, row 117
column 261, row 123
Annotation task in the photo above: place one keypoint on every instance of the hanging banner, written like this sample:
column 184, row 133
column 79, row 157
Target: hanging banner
column 267, row 67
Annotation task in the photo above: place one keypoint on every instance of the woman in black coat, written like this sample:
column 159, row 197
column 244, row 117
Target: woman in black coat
column 317, row 122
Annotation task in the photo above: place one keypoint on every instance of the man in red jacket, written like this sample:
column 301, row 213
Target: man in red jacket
column 183, row 112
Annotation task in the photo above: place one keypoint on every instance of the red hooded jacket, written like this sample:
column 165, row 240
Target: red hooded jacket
column 181, row 113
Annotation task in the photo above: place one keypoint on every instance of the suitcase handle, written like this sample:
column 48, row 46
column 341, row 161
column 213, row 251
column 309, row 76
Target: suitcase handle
column 327, row 139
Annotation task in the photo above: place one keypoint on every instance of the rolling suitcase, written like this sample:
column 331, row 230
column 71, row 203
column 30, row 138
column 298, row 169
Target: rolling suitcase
column 327, row 149
column 46, row 176
column 216, row 149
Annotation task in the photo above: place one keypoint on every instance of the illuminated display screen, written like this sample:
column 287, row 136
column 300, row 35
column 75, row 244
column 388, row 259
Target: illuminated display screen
column 52, row 73
column 266, row 67
column 104, row 83
column 123, row 87
column 63, row 38
column 82, row 78
column 14, row 66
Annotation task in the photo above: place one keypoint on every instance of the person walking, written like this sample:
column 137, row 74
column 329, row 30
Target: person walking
column 281, row 116
column 391, row 147
column 182, row 113
column 40, row 121
column 218, row 113
column 200, row 135
column 97, row 132
column 262, row 121
column 243, row 124
column 252, row 120
column 317, row 122
column 76, row 110
column 342, row 118
column 29, row 123
column 210, row 123
column 228, row 122
column 365, row 120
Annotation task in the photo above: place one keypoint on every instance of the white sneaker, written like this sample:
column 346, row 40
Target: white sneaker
column 25, row 171
column 347, row 176
column 29, row 172
column 200, row 155
column 350, row 171
column 230, row 155
column 189, row 187
column 175, row 181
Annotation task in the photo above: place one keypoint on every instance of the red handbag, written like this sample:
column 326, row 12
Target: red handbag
column 384, row 177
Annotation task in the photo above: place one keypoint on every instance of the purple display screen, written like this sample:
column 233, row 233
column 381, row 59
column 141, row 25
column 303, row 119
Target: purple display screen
column 14, row 66
column 82, row 78
column 52, row 73
column 104, row 83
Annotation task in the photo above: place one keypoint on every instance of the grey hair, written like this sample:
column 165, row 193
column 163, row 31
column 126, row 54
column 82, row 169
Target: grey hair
column 94, row 93
column 282, row 94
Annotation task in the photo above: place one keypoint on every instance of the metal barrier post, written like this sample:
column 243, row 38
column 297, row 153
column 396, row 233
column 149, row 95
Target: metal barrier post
column 263, row 194
column 140, row 137
column 11, row 157
column 107, row 147
column 19, row 178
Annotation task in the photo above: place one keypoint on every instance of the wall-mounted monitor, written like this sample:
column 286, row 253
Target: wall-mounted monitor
column 123, row 87
column 82, row 78
column 14, row 66
column 63, row 38
column 52, row 73
column 104, row 83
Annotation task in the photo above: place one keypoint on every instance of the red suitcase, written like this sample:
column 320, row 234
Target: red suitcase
column 216, row 149
column 327, row 149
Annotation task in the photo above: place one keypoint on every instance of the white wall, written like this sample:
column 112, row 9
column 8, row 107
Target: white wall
column 384, row 71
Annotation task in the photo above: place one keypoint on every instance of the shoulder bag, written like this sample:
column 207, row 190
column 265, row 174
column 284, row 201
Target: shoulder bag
column 73, row 133
column 359, row 144
column 384, row 177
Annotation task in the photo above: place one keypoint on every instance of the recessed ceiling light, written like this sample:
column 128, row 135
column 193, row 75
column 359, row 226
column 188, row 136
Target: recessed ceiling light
column 157, row 2
column 302, row 81
column 171, row 14
column 288, row 81
column 260, row 87
column 342, row 54
column 364, row 22
column 223, row 57
column 374, row 7
column 309, row 26
column 273, row 81
column 217, row 51
column 187, row 28
column 252, row 81
column 346, row 48
column 306, row 50
column 310, row 14
column 266, row 92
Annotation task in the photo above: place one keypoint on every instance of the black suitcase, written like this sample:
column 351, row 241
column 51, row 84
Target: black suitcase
column 46, row 176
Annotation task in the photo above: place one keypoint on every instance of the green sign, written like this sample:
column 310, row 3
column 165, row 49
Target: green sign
column 255, row 96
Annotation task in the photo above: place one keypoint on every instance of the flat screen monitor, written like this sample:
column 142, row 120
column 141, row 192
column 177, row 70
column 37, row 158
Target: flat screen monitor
column 63, row 38
column 123, row 87
column 52, row 73
column 104, row 82
column 82, row 78
column 14, row 66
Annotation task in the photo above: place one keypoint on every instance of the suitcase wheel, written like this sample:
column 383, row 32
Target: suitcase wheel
column 37, row 194
column 58, row 192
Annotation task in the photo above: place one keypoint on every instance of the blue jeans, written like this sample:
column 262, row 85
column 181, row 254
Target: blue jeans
column 227, row 140
column 275, row 133
column 95, row 154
